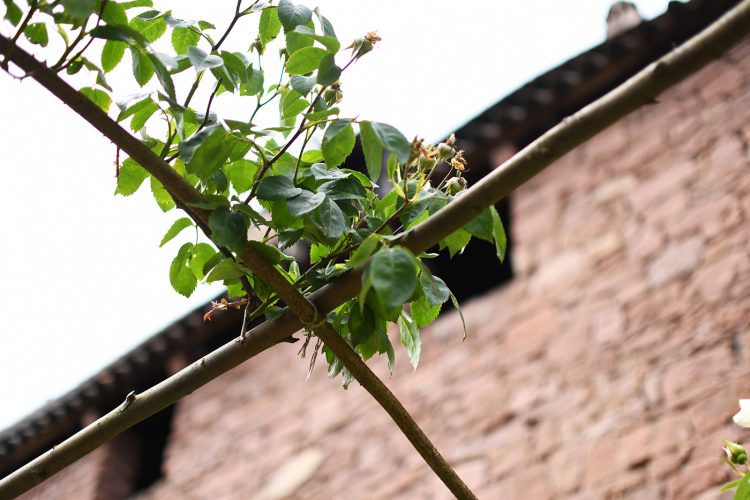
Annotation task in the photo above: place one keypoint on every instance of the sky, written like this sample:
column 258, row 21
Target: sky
column 83, row 279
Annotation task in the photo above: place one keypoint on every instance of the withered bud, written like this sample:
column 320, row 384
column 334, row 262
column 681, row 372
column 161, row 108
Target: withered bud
column 372, row 37
column 451, row 141
column 257, row 46
column 459, row 162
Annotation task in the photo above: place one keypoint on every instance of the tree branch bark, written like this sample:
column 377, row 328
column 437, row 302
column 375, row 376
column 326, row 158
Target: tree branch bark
column 640, row 90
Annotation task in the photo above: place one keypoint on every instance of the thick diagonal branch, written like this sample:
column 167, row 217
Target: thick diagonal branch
column 641, row 89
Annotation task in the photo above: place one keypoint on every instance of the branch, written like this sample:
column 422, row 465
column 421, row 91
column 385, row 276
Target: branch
column 573, row 131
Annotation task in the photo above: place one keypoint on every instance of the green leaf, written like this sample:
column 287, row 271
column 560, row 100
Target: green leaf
column 98, row 97
column 162, row 73
column 136, row 3
column 731, row 485
column 292, row 15
column 338, row 142
column 305, row 202
column 289, row 237
column 373, row 150
column 305, row 60
column 361, row 325
column 184, row 38
column 112, row 53
column 143, row 70
column 481, row 226
column 114, row 13
column 120, row 34
column 206, row 151
column 410, row 338
column 393, row 141
column 457, row 241
column 423, row 313
column 332, row 218
column 180, row 275
column 364, row 250
column 270, row 253
column 150, row 24
column 79, row 9
column 328, row 72
column 343, row 189
column 321, row 172
column 254, row 82
column 199, row 256
column 460, row 313
column 12, row 12
column 130, row 177
column 241, row 174
column 498, row 234
column 37, row 33
column 435, row 289
column 394, row 276
column 201, row 60
column 743, row 489
column 302, row 84
column 179, row 225
column 161, row 195
column 270, row 25
column 295, row 42
column 227, row 269
column 330, row 43
column 228, row 228
column 277, row 187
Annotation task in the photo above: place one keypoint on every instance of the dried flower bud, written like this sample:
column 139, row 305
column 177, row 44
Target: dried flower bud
column 455, row 185
column 451, row 141
column 372, row 37
column 257, row 46
column 459, row 162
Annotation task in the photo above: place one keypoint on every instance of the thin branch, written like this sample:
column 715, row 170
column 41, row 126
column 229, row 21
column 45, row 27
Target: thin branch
column 573, row 131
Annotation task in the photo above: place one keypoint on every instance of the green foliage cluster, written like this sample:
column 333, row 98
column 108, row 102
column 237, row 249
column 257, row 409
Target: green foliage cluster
column 281, row 182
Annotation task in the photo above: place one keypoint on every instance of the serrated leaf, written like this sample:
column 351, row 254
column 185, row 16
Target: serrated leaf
column 410, row 338
column 394, row 276
column 305, row 60
column 206, row 151
column 321, row 172
column 372, row 148
column 332, row 218
column 150, row 24
column 161, row 195
column 143, row 70
column 184, row 38
column 498, row 234
column 269, row 26
column 114, row 13
column 481, row 226
column 98, row 97
column 180, row 275
column 423, row 313
column 456, row 241
column 338, row 142
column 175, row 229
column 162, row 73
column 277, row 187
column 343, row 189
column 228, row 228
column 130, row 177
column 227, row 269
column 241, row 174
column 364, row 250
column 37, row 33
column 393, row 141
column 435, row 289
column 199, row 256
column 304, row 203
column 202, row 60
column 328, row 72
column 112, row 53
column 302, row 84
column 292, row 15
column 330, row 43
column 289, row 237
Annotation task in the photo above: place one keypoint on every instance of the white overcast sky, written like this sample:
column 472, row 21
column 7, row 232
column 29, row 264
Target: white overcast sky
column 83, row 279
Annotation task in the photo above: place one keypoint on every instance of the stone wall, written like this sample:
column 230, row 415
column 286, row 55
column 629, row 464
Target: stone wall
column 609, row 368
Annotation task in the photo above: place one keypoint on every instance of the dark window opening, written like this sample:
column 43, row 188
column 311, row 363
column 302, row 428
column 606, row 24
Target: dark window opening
column 153, row 436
